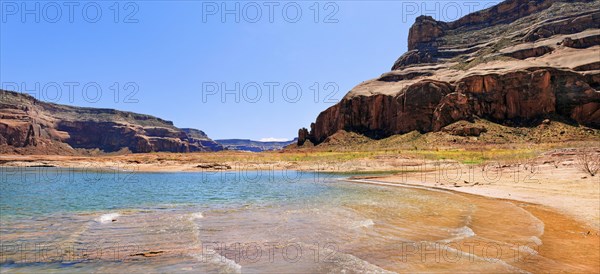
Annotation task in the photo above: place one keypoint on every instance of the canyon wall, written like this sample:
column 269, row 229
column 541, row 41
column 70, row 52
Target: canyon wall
column 30, row 126
column 517, row 63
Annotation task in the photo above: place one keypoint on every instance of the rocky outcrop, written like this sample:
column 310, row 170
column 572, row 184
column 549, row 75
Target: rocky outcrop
column 582, row 42
column 383, row 115
column 521, row 97
column 425, row 32
column 303, row 135
column 465, row 129
column 496, row 64
column 431, row 41
column 199, row 138
column 31, row 126
column 529, row 52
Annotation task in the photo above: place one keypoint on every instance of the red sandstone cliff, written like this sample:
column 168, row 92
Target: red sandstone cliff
column 29, row 126
column 516, row 63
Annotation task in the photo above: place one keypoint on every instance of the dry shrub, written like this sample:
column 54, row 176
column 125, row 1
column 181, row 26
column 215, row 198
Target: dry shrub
column 588, row 160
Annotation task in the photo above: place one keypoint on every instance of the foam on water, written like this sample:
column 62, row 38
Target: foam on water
column 197, row 215
column 364, row 223
column 536, row 240
column 107, row 218
column 527, row 249
column 224, row 264
column 460, row 233
column 345, row 263
column 539, row 225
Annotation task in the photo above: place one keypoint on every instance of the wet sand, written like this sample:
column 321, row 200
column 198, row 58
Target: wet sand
column 564, row 189
column 564, row 244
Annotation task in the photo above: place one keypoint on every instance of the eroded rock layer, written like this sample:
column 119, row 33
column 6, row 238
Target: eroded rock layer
column 516, row 63
column 33, row 127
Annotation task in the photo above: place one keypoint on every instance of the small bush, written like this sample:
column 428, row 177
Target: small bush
column 588, row 161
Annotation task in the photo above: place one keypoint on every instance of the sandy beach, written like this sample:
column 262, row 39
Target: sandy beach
column 565, row 189
column 566, row 201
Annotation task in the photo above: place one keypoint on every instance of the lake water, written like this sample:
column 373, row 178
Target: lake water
column 63, row 220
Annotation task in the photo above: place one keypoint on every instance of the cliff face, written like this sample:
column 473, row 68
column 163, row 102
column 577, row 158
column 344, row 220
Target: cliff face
column 516, row 63
column 199, row 138
column 31, row 126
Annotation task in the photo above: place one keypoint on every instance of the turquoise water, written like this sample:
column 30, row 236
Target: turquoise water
column 64, row 220
column 41, row 191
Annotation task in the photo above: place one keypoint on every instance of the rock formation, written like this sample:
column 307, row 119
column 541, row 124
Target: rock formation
column 516, row 63
column 31, row 126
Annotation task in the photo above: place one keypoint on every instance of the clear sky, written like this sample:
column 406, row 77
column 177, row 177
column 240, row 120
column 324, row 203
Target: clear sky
column 187, row 61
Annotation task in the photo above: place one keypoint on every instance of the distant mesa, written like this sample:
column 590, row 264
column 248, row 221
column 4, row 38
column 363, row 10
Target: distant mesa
column 515, row 64
column 30, row 126
column 254, row 146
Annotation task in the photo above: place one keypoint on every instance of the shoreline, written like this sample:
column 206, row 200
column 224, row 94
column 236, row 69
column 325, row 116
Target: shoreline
column 565, row 238
column 563, row 205
column 576, row 197
column 461, row 191
column 568, row 239
column 552, row 179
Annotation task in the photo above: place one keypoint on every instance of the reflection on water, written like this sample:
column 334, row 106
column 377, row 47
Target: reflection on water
column 257, row 222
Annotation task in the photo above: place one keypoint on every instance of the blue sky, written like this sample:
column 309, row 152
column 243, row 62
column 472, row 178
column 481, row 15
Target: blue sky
column 177, row 59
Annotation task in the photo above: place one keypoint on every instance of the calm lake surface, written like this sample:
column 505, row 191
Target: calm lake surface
column 64, row 220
